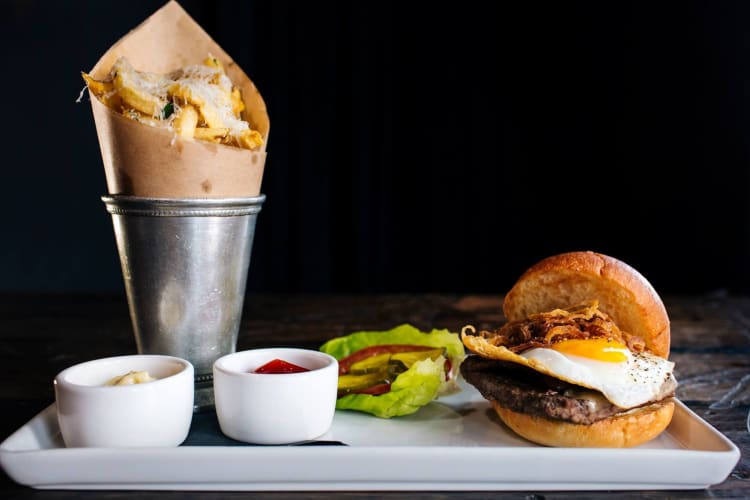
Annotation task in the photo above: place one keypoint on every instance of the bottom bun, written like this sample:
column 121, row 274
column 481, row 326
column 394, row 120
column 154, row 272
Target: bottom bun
column 620, row 431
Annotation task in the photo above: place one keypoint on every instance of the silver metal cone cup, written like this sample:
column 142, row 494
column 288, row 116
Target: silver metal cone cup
column 185, row 263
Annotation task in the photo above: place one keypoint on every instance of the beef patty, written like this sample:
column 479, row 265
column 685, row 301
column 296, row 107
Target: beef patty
column 524, row 390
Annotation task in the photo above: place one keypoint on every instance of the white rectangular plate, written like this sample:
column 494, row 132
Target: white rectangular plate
column 454, row 444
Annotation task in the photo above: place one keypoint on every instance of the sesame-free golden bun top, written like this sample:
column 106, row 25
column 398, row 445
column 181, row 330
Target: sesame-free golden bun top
column 574, row 277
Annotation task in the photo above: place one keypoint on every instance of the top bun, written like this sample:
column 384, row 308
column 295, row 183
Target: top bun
column 571, row 278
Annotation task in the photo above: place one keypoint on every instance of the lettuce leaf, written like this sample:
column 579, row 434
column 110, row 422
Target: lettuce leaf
column 415, row 387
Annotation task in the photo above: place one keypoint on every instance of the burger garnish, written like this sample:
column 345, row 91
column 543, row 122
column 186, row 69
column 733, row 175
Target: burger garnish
column 371, row 370
column 395, row 372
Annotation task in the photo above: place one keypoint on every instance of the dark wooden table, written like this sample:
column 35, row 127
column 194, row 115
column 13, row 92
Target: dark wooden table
column 42, row 334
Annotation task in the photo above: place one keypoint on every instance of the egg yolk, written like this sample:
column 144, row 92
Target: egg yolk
column 598, row 349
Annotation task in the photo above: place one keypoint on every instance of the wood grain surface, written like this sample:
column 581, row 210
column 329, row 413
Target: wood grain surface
column 43, row 334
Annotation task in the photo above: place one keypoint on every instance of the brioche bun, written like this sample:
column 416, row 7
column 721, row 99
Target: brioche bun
column 632, row 303
column 623, row 430
column 575, row 277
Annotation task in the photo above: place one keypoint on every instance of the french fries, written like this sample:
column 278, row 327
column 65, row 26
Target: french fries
column 196, row 102
column 186, row 122
column 135, row 89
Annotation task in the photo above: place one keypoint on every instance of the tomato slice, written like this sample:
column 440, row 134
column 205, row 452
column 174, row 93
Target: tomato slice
column 366, row 352
column 374, row 390
column 280, row 366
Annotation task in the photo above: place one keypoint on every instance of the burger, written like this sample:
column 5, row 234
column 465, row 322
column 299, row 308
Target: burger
column 582, row 360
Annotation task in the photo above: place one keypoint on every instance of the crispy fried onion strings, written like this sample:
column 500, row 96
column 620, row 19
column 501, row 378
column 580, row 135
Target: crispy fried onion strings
column 580, row 321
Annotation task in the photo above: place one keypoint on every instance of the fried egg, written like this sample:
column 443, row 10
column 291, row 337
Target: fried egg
column 625, row 378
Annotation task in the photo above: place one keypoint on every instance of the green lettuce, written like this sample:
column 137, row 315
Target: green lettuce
column 412, row 389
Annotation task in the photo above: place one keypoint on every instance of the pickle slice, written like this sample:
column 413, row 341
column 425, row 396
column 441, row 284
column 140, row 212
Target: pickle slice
column 355, row 382
column 371, row 364
column 409, row 358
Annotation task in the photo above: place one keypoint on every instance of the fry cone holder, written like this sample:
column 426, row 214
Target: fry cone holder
column 184, row 265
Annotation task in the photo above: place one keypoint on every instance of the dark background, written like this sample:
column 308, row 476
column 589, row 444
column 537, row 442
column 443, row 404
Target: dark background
column 416, row 146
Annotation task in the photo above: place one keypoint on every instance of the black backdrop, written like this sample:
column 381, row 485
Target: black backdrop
column 416, row 146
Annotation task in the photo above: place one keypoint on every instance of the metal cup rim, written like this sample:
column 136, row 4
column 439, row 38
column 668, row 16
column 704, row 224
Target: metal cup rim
column 182, row 207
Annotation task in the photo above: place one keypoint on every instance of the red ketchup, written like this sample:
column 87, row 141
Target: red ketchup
column 280, row 366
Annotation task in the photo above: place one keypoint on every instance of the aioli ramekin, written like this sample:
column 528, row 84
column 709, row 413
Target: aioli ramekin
column 151, row 414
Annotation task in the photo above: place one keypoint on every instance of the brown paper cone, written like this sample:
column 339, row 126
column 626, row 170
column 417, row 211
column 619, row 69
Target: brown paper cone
column 144, row 161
